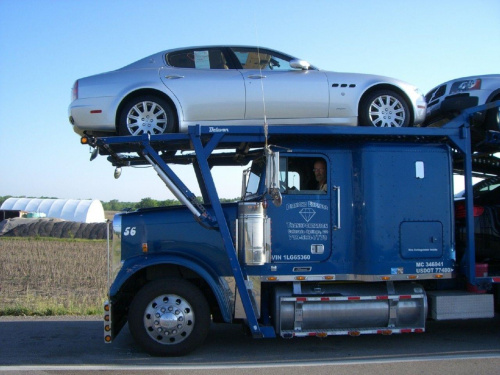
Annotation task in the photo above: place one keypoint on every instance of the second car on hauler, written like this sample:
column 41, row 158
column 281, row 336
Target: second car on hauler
column 235, row 85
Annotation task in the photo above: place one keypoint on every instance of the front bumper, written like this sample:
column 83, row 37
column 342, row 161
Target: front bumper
column 450, row 107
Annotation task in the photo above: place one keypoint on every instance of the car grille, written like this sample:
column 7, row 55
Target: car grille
column 433, row 96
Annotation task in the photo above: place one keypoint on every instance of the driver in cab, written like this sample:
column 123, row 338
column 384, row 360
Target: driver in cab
column 320, row 174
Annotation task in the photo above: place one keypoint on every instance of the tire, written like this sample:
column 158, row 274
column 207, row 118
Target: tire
column 169, row 317
column 384, row 108
column 492, row 119
column 146, row 115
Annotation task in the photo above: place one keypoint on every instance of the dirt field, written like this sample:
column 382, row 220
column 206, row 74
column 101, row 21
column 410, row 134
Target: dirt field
column 41, row 276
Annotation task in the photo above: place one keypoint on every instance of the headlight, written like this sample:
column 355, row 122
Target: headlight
column 465, row 85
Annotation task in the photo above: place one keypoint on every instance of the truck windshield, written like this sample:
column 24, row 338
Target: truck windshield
column 254, row 178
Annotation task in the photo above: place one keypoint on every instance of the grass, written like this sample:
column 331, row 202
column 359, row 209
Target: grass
column 45, row 276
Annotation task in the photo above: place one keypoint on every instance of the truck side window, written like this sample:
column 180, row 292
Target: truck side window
column 303, row 175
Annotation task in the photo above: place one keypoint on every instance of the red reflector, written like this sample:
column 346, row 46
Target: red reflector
column 353, row 298
column 96, row 111
column 404, row 297
column 302, row 299
column 325, row 298
column 460, row 211
column 382, row 297
column 407, row 330
column 419, row 330
column 496, row 279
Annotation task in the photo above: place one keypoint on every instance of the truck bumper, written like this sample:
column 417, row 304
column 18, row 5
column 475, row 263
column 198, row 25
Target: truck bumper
column 113, row 321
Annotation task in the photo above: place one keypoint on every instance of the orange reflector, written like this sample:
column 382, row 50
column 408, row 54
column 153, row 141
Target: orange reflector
column 107, row 328
column 106, row 318
column 106, row 307
column 107, row 338
column 329, row 278
column 385, row 332
column 412, row 277
column 301, row 278
column 144, row 247
column 84, row 140
column 385, row 278
column 321, row 334
column 272, row 278
column 354, row 333
column 438, row 276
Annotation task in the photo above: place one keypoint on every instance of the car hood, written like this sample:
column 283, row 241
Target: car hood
column 483, row 77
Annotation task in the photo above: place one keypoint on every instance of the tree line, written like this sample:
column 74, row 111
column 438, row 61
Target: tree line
column 116, row 205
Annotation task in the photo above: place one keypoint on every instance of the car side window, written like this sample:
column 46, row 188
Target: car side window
column 262, row 59
column 303, row 175
column 212, row 58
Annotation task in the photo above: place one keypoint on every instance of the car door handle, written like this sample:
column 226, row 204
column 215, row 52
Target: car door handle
column 175, row 76
column 256, row 76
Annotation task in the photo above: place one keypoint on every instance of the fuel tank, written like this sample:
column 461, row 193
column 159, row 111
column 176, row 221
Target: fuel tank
column 356, row 307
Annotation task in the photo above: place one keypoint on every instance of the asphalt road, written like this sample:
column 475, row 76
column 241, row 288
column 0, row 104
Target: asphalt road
column 74, row 345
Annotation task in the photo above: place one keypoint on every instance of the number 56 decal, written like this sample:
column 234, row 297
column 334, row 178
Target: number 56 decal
column 129, row 231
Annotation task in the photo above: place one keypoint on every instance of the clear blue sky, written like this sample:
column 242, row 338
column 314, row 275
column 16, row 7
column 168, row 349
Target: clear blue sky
column 45, row 45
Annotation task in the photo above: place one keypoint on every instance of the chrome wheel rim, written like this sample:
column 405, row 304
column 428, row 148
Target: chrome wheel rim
column 169, row 319
column 387, row 111
column 147, row 117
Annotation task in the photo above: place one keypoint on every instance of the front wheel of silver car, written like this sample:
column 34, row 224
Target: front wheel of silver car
column 146, row 115
column 384, row 108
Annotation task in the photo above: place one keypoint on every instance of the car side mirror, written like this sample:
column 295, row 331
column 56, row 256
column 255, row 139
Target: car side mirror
column 299, row 64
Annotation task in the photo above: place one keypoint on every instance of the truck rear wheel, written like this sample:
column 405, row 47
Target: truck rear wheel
column 169, row 317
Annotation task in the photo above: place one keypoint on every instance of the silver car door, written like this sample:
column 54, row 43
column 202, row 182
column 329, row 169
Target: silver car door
column 204, row 85
column 280, row 91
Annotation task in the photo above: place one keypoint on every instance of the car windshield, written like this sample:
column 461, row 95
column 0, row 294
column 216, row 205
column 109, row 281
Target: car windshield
column 487, row 185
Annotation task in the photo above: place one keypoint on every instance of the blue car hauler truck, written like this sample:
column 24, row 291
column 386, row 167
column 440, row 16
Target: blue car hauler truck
column 372, row 252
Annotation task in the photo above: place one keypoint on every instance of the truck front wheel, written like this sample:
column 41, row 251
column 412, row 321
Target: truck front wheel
column 169, row 317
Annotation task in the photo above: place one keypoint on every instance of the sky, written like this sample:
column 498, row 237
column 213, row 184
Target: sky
column 45, row 45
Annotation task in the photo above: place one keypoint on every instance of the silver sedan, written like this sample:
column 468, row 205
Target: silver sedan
column 236, row 85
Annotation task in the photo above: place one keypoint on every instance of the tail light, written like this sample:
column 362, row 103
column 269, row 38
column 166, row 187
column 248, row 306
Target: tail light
column 460, row 210
column 74, row 91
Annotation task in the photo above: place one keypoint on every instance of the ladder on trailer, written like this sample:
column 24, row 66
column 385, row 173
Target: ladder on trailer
column 160, row 150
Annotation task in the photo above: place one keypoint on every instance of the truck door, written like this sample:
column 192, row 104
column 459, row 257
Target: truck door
column 301, row 226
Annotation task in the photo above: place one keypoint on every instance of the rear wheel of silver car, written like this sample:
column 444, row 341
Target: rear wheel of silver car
column 169, row 317
column 384, row 108
column 146, row 115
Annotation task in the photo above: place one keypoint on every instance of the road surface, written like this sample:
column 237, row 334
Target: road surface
column 75, row 345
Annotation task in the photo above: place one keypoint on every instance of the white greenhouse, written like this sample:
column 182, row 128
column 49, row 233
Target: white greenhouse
column 84, row 211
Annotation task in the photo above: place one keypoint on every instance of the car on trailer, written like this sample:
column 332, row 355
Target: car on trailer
column 235, row 85
column 448, row 99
